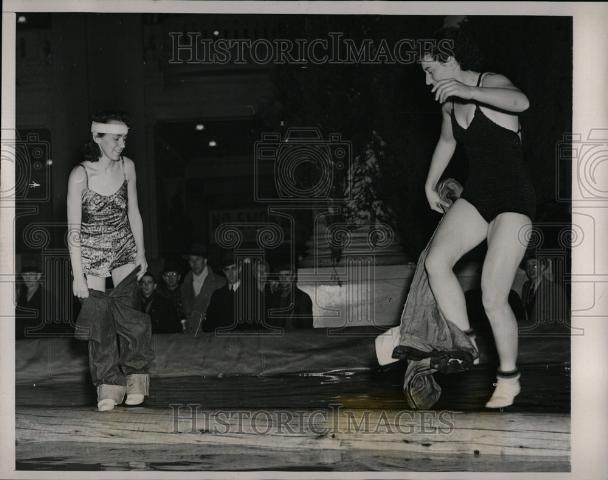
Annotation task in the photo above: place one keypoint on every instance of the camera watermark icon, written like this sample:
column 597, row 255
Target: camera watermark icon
column 590, row 160
column 31, row 160
column 301, row 168
column 545, row 292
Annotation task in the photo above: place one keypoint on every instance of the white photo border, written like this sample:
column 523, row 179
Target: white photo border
column 589, row 414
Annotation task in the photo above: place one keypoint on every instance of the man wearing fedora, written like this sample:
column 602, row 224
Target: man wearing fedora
column 198, row 286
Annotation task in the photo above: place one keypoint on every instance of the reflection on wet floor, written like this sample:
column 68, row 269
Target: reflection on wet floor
column 545, row 388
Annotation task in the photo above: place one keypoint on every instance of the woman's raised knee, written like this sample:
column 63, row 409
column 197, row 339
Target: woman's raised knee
column 437, row 264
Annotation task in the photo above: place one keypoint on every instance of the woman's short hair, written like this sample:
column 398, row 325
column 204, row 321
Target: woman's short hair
column 91, row 150
column 457, row 42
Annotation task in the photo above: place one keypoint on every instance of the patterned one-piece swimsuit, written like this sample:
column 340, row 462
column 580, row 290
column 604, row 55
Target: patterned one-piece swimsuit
column 106, row 239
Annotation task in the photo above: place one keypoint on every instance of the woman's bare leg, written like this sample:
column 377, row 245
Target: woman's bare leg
column 120, row 273
column 461, row 229
column 96, row 283
column 505, row 252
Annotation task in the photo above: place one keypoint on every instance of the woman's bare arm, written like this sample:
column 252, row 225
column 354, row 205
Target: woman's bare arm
column 498, row 91
column 76, row 183
column 135, row 220
column 444, row 150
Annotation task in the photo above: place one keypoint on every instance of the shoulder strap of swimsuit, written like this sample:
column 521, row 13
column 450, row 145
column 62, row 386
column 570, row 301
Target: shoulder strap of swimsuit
column 122, row 162
column 479, row 80
column 85, row 172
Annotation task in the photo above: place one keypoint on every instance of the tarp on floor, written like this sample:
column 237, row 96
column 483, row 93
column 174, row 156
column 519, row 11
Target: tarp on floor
column 66, row 359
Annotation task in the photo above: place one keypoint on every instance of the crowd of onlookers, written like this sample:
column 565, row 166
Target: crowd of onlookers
column 189, row 297
column 249, row 294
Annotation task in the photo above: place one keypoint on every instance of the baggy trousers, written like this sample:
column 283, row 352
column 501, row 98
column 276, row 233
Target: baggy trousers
column 119, row 335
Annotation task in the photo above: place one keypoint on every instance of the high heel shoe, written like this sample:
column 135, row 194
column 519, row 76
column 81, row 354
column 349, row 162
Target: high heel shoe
column 506, row 391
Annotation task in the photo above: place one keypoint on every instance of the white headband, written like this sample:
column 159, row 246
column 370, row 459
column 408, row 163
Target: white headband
column 112, row 128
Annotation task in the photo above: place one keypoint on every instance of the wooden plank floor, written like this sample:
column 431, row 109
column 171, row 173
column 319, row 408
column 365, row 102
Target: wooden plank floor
column 307, row 422
column 346, row 439
column 295, row 428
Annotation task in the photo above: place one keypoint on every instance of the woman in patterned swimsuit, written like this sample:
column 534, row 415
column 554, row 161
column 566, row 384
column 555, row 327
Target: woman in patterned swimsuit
column 498, row 201
column 106, row 239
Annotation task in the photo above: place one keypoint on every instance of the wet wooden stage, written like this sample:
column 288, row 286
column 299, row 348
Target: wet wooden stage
column 335, row 421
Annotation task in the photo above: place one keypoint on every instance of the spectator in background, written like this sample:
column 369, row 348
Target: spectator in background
column 37, row 308
column 170, row 287
column 29, row 314
column 544, row 299
column 229, row 306
column 199, row 284
column 291, row 308
column 261, row 293
column 162, row 313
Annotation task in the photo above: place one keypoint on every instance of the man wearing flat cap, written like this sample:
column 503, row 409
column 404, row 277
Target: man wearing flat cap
column 37, row 307
column 198, row 286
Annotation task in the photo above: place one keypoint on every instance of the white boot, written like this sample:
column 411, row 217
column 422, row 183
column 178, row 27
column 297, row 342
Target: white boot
column 138, row 386
column 506, row 391
column 108, row 396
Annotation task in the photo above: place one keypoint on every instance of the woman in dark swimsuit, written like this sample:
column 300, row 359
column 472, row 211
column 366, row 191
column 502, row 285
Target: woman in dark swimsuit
column 498, row 203
column 106, row 239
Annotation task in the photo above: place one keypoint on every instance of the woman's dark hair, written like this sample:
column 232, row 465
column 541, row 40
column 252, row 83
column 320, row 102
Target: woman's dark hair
column 457, row 42
column 91, row 150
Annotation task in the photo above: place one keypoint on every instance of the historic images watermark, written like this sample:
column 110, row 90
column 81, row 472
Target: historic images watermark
column 334, row 49
column 192, row 418
column 589, row 154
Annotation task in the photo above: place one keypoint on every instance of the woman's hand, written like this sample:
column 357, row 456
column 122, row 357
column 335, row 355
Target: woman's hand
column 80, row 287
column 140, row 261
column 451, row 87
column 435, row 201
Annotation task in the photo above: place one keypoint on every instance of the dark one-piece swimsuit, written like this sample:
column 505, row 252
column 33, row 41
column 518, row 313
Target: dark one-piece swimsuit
column 498, row 179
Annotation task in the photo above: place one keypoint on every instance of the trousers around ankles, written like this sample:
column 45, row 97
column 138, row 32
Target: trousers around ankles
column 119, row 335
